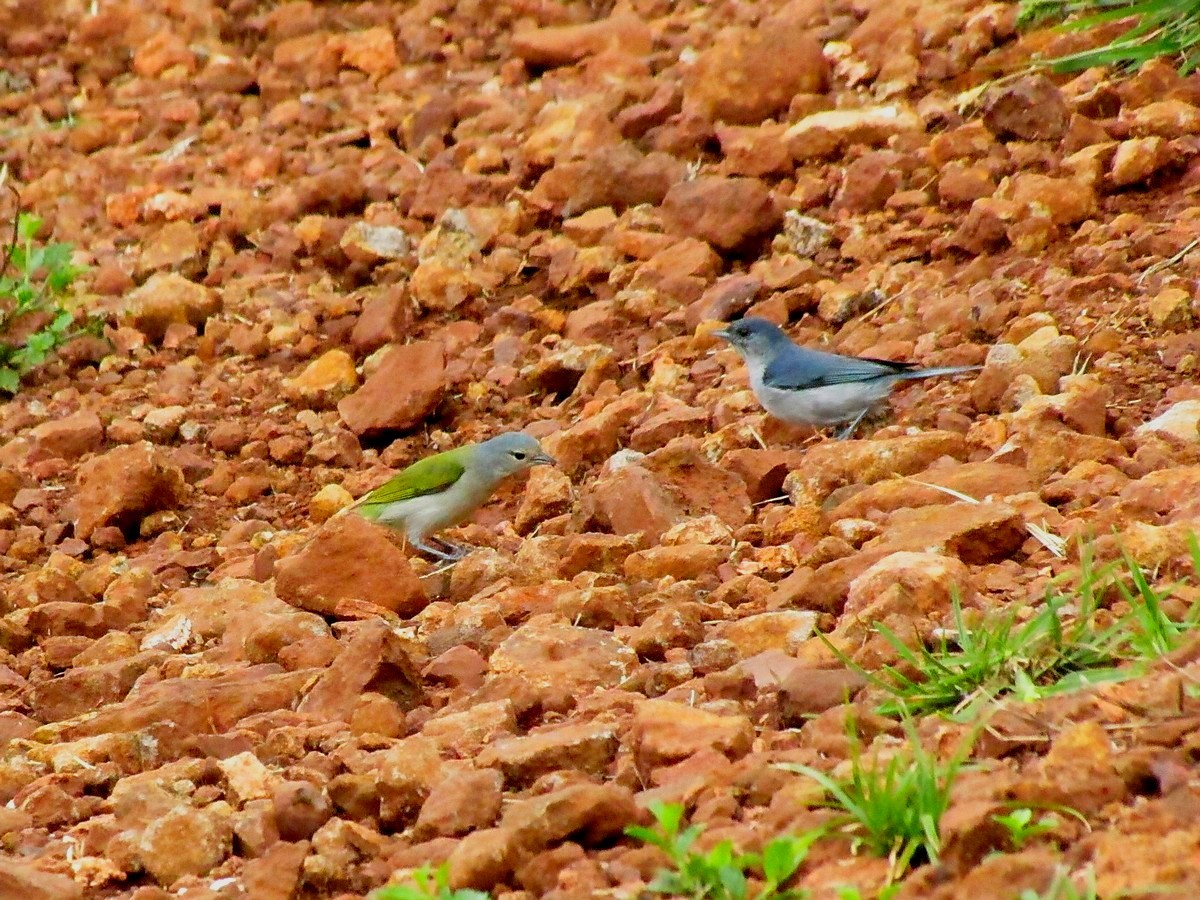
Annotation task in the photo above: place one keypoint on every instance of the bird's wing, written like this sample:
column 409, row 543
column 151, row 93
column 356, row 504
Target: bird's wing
column 426, row 476
column 817, row 369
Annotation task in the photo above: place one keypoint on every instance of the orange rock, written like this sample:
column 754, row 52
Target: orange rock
column 549, row 654
column 588, row 813
column 185, row 841
column 924, row 584
column 18, row 879
column 374, row 658
column 463, row 801
column 780, row 630
column 465, row 732
column 747, row 75
column 1030, row 108
column 67, row 438
column 401, row 393
column 123, row 485
column 559, row 45
column 169, row 298
column 385, row 319
column 586, row 747
column 193, row 705
column 276, row 874
column 976, row 533
column 729, row 213
column 300, row 808
column 762, row 470
column 682, row 562
column 84, row 688
column 408, row 771
column 485, row 858
column 665, row 732
column 349, row 558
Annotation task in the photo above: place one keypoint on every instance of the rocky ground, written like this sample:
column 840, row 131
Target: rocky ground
column 328, row 238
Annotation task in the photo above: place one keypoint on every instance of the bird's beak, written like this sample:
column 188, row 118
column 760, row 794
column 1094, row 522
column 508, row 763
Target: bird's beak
column 723, row 334
column 543, row 459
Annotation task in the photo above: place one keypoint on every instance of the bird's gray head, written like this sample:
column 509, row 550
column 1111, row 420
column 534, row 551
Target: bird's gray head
column 511, row 452
column 754, row 338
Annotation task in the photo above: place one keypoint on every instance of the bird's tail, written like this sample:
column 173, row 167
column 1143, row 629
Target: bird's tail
column 940, row 370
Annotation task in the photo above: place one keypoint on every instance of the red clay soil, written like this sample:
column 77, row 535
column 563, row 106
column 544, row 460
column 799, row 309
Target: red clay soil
column 329, row 238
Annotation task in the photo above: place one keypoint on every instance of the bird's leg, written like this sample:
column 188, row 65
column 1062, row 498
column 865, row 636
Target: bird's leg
column 452, row 553
column 456, row 550
column 849, row 429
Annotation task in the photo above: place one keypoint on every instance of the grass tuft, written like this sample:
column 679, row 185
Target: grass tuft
column 1159, row 28
column 1070, row 643
column 894, row 808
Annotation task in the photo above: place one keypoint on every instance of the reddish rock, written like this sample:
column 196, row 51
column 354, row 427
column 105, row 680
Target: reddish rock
column 962, row 185
column 548, row 493
column 464, row 733
column 549, row 654
column 323, row 381
column 185, row 841
column 1030, row 109
column 665, row 732
column 729, row 213
column 559, row 45
column 276, row 874
column 586, row 813
column 748, row 75
column 833, row 464
column 374, row 659
column 869, row 181
column 682, row 562
column 978, row 480
column 630, row 500
column 122, row 486
column 586, row 747
column 401, row 393
column 193, row 705
column 763, row 471
column 615, row 175
column 408, row 771
column 805, row 692
column 67, row 438
column 167, row 299
column 909, row 582
column 349, row 559
column 485, row 858
column 668, row 486
column 462, row 802
column 18, row 879
column 300, row 809
column 782, row 630
column 84, row 688
column 976, row 533
column 385, row 319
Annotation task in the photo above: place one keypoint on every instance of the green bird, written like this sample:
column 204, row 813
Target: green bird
column 444, row 489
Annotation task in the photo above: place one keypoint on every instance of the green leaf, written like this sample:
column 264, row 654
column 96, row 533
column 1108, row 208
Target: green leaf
column 784, row 855
column 10, row 379
column 28, row 226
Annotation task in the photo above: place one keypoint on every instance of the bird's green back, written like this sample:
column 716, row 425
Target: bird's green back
column 425, row 476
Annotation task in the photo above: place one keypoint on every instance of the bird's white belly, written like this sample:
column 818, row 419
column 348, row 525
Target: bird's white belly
column 421, row 516
column 825, row 405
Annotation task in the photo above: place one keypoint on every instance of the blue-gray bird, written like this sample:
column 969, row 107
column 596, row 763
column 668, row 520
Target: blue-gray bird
column 811, row 387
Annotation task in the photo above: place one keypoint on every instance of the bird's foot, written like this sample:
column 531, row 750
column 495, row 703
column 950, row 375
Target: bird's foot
column 451, row 553
column 849, row 430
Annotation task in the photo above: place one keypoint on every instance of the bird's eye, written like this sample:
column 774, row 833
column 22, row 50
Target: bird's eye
column 518, row 454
